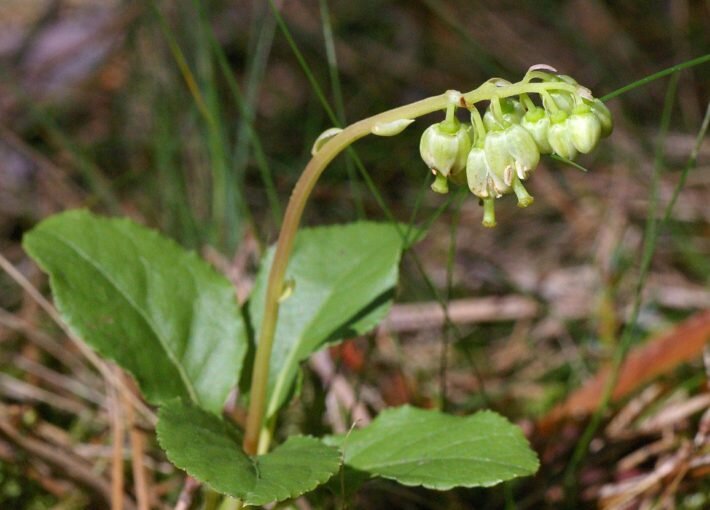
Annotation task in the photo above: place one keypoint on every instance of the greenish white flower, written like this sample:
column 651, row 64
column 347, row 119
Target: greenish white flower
column 604, row 115
column 444, row 147
column 481, row 181
column 585, row 128
column 560, row 137
column 511, row 152
column 537, row 123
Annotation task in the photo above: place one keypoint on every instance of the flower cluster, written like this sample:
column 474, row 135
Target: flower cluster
column 495, row 152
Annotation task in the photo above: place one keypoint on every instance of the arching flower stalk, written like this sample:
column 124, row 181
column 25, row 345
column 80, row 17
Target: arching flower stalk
column 493, row 155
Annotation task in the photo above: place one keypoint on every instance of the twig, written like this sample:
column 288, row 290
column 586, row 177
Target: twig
column 117, row 435
column 186, row 494
column 45, row 341
column 340, row 394
column 415, row 317
column 58, row 380
column 63, row 461
column 136, row 436
column 22, row 391
column 100, row 365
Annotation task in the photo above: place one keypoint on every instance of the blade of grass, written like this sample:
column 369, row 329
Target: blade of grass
column 337, row 92
column 264, row 26
column 446, row 332
column 229, row 211
column 223, row 217
column 182, row 64
column 250, row 131
column 655, row 76
column 628, row 334
column 173, row 187
column 371, row 185
column 692, row 162
column 474, row 49
column 98, row 184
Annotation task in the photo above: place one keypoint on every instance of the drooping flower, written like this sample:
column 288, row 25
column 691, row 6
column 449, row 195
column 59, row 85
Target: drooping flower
column 444, row 148
column 560, row 136
column 537, row 123
column 585, row 128
column 511, row 152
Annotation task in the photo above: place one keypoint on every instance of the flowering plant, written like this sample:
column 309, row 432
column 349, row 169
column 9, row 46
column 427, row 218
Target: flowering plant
column 172, row 322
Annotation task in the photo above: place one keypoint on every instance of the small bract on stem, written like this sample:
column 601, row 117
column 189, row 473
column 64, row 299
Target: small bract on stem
column 492, row 154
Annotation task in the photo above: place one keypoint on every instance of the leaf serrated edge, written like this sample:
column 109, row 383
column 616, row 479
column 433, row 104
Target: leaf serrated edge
column 515, row 434
column 317, row 481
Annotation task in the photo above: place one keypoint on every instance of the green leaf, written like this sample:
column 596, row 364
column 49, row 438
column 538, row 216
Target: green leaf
column 344, row 278
column 210, row 450
column 160, row 312
column 439, row 451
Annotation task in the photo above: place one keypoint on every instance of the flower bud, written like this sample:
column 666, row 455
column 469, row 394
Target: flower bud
column 563, row 100
column 585, row 128
column 512, row 111
column 604, row 115
column 444, row 147
column 510, row 152
column 560, row 137
column 537, row 123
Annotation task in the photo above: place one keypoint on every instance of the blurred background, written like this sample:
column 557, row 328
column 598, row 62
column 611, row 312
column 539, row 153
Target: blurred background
column 196, row 118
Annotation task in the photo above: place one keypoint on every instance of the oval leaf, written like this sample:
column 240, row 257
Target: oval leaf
column 439, row 451
column 210, row 450
column 157, row 310
column 344, row 277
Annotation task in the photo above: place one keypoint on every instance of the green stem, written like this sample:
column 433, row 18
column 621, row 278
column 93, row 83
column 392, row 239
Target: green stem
column 660, row 74
column 478, row 126
column 292, row 218
column 450, row 124
column 550, row 103
column 497, row 110
column 296, row 206
column 528, row 103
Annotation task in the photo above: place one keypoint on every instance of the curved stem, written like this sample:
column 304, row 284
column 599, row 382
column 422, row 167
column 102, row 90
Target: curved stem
column 450, row 124
column 478, row 126
column 297, row 203
column 549, row 102
column 527, row 102
column 292, row 218
column 497, row 111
